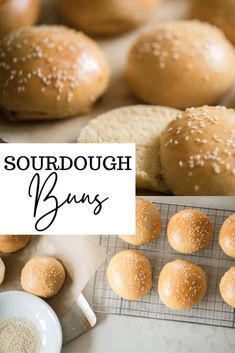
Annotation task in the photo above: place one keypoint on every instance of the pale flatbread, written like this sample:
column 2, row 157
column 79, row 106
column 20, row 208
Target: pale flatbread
column 140, row 124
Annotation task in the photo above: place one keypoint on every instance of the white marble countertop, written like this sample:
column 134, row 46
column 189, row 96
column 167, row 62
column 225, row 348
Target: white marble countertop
column 119, row 334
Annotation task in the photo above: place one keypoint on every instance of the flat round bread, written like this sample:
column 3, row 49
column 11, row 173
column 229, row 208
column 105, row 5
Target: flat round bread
column 138, row 124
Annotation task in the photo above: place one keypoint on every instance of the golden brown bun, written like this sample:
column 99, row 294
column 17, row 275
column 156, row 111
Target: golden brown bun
column 50, row 72
column 102, row 17
column 2, row 271
column 129, row 274
column 197, row 152
column 12, row 243
column 220, row 13
column 43, row 276
column 181, row 284
column 189, row 231
column 227, row 236
column 181, row 64
column 227, row 287
column 148, row 223
column 17, row 13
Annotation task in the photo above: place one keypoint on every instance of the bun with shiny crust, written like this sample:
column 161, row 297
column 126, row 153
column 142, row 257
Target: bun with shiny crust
column 43, row 276
column 148, row 223
column 12, row 243
column 227, row 287
column 197, row 152
column 217, row 12
column 181, row 284
column 105, row 18
column 18, row 13
column 50, row 72
column 227, row 236
column 189, row 231
column 181, row 64
column 129, row 274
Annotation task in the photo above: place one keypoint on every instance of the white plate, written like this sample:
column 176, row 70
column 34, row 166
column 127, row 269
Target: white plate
column 30, row 307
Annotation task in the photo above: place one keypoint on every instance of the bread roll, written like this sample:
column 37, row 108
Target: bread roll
column 12, row 243
column 181, row 64
column 227, row 287
column 148, row 223
column 220, row 13
column 197, row 152
column 138, row 124
column 227, row 236
column 17, row 13
column 102, row 17
column 129, row 274
column 2, row 271
column 181, row 284
column 189, row 231
column 50, row 72
column 43, row 276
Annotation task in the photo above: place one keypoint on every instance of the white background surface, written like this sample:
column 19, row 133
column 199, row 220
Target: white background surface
column 119, row 334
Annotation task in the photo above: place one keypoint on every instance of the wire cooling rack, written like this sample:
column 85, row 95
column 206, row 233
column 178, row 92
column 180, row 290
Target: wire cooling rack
column 210, row 311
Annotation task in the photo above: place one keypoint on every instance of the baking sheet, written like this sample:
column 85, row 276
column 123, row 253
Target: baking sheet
column 80, row 256
column 117, row 95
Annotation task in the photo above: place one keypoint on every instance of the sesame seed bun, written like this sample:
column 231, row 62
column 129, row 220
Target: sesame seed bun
column 181, row 64
column 148, row 223
column 129, row 274
column 138, row 124
column 227, row 236
column 12, row 243
column 197, row 152
column 17, row 13
column 189, row 231
column 2, row 271
column 181, row 284
column 217, row 12
column 102, row 17
column 50, row 72
column 43, row 276
column 227, row 287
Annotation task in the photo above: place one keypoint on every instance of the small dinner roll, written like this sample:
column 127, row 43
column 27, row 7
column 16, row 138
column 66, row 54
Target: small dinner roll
column 2, row 271
column 227, row 236
column 137, row 124
column 197, row 152
column 18, row 13
column 227, row 287
column 189, row 231
column 102, row 17
column 148, row 223
column 181, row 64
column 43, row 276
column 129, row 274
column 12, row 243
column 220, row 13
column 181, row 284
column 50, row 72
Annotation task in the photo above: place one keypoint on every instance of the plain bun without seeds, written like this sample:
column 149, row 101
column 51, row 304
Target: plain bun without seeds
column 50, row 72
column 181, row 64
column 197, row 152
